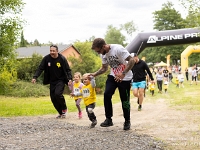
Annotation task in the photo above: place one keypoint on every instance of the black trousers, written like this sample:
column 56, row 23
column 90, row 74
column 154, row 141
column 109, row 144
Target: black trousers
column 159, row 83
column 91, row 116
column 186, row 74
column 57, row 98
column 124, row 92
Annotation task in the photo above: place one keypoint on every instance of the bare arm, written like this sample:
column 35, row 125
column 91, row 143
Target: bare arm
column 130, row 64
column 102, row 70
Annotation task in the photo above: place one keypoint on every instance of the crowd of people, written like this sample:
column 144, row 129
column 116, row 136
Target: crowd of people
column 127, row 73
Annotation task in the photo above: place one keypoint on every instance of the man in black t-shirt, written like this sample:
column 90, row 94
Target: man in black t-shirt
column 140, row 71
column 57, row 73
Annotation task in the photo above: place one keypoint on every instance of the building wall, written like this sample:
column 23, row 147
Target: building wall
column 70, row 52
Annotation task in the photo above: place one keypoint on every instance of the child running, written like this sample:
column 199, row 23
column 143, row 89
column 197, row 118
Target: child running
column 165, row 85
column 152, row 87
column 75, row 87
column 89, row 96
column 180, row 79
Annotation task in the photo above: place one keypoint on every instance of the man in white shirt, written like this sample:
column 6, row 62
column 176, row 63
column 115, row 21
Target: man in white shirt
column 120, row 62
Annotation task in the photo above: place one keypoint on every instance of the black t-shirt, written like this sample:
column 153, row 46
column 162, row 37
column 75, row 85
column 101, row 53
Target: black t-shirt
column 55, row 69
column 139, row 71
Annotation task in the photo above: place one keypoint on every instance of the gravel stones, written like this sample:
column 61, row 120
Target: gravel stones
column 34, row 133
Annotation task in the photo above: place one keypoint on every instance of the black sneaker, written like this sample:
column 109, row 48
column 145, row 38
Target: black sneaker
column 107, row 123
column 139, row 107
column 127, row 125
column 93, row 124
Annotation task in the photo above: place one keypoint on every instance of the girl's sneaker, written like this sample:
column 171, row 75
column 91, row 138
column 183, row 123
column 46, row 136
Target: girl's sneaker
column 80, row 115
column 58, row 117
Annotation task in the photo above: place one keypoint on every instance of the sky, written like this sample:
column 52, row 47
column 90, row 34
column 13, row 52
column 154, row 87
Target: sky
column 65, row 21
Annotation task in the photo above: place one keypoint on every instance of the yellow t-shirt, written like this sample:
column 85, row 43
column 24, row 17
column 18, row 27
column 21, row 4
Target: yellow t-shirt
column 165, row 85
column 176, row 81
column 77, row 89
column 151, row 86
column 89, row 94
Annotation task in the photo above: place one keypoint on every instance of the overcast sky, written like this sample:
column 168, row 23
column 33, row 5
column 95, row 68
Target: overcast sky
column 65, row 21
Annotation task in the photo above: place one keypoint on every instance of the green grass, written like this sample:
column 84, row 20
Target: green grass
column 179, row 98
column 33, row 106
column 186, row 98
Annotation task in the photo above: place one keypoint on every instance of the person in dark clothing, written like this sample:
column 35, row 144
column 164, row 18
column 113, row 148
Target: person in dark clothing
column 139, row 79
column 186, row 73
column 166, row 74
column 57, row 73
column 120, row 62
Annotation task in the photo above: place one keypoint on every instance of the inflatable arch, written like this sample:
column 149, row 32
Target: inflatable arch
column 186, row 53
column 163, row 38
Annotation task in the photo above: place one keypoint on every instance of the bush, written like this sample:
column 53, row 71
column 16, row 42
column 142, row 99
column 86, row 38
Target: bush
column 27, row 89
column 8, row 75
column 27, row 66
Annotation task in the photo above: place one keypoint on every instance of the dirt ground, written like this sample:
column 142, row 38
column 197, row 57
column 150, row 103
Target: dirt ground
column 179, row 129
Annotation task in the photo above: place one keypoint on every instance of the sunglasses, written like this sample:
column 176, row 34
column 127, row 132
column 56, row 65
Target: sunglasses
column 99, row 50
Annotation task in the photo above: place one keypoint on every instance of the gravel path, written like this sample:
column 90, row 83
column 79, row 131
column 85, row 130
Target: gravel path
column 48, row 133
column 151, row 129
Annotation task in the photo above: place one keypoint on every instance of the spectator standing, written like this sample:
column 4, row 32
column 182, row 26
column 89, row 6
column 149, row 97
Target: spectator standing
column 159, row 79
column 194, row 75
column 186, row 73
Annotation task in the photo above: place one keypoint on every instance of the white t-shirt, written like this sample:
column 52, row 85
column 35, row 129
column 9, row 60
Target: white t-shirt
column 194, row 73
column 180, row 77
column 116, row 59
column 159, row 77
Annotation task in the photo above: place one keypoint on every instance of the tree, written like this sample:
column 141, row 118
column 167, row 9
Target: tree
column 10, row 28
column 167, row 19
column 114, row 36
column 36, row 43
column 129, row 28
column 26, row 68
column 88, row 62
column 23, row 42
column 192, row 7
column 192, row 20
column 10, row 25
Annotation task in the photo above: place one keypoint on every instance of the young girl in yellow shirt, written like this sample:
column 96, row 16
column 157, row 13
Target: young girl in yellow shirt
column 76, row 88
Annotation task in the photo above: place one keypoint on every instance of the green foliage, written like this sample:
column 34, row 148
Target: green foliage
column 129, row 28
column 8, row 74
column 27, row 89
column 10, row 26
column 11, row 6
column 192, row 7
column 36, row 43
column 27, row 67
column 114, row 36
column 89, row 62
column 23, row 42
column 168, row 18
